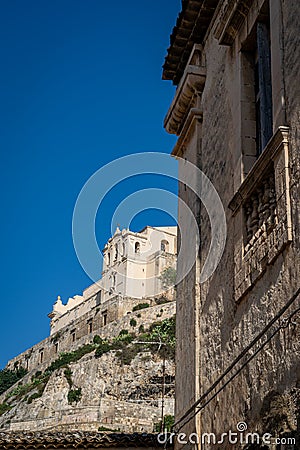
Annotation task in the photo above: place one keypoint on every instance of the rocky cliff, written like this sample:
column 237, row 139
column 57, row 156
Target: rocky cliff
column 114, row 384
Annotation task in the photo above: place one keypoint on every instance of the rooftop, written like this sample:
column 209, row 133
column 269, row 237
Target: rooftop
column 76, row 439
column 191, row 26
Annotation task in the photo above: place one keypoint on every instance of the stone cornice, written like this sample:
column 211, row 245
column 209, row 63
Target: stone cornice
column 276, row 143
column 232, row 16
column 191, row 85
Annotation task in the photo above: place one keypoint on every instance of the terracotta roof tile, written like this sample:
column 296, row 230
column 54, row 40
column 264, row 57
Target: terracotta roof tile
column 53, row 440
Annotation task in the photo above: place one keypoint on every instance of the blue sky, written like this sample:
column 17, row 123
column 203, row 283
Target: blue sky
column 80, row 85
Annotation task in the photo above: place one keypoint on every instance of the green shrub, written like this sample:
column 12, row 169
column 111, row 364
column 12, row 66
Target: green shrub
column 140, row 306
column 97, row 339
column 34, row 396
column 9, row 377
column 168, row 277
column 132, row 322
column 23, row 389
column 67, row 358
column 128, row 338
column 104, row 347
column 127, row 354
column 107, row 429
column 161, row 300
column 4, row 407
column 123, row 332
column 74, row 395
column 164, row 330
column 168, row 424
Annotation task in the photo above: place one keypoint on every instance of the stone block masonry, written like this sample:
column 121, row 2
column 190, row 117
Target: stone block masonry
column 248, row 58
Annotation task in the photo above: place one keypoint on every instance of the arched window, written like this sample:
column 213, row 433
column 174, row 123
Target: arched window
column 164, row 246
column 108, row 259
column 116, row 252
column 137, row 247
column 123, row 249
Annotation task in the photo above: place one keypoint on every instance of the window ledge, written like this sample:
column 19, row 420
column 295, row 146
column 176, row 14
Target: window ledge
column 253, row 178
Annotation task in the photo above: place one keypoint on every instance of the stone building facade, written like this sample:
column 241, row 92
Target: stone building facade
column 133, row 262
column 236, row 113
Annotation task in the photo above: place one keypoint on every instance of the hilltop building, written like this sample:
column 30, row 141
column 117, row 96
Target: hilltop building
column 132, row 266
column 236, row 113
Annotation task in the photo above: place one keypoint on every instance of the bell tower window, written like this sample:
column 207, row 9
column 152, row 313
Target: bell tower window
column 164, row 246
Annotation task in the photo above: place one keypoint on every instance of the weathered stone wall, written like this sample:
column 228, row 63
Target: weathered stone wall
column 187, row 370
column 227, row 326
column 231, row 314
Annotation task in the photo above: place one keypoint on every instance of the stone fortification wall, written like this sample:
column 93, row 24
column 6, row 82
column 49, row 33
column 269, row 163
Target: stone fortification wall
column 116, row 392
column 42, row 354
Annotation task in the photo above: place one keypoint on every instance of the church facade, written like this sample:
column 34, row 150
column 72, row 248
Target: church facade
column 132, row 267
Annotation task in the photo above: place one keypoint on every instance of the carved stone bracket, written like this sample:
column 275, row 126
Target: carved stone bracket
column 262, row 206
column 188, row 91
column 232, row 16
